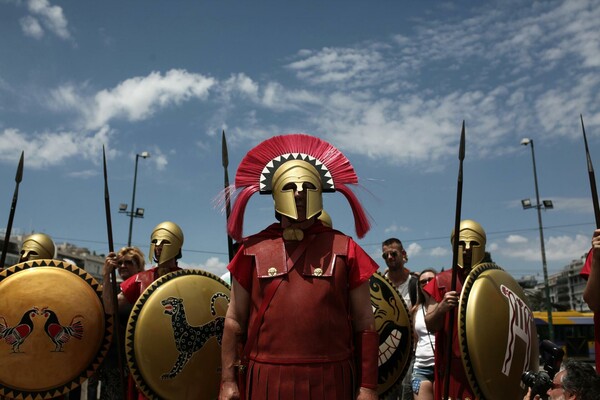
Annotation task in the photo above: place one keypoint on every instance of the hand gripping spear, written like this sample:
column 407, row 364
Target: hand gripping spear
column 225, row 160
column 592, row 177
column 13, row 206
column 461, row 157
column 113, row 283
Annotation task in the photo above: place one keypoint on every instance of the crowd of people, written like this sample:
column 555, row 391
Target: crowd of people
column 301, row 264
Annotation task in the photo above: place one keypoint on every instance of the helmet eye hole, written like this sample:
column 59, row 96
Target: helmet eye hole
column 289, row 186
column 308, row 185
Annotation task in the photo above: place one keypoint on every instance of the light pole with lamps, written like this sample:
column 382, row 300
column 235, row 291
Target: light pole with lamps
column 134, row 213
column 546, row 204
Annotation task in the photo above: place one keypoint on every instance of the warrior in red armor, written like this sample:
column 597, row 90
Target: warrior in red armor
column 299, row 323
column 471, row 252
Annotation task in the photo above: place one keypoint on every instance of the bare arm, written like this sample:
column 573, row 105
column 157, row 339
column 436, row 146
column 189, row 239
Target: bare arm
column 360, row 307
column 434, row 319
column 236, row 327
column 591, row 294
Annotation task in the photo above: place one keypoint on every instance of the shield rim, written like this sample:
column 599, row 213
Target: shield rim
column 411, row 339
column 132, row 323
column 104, row 346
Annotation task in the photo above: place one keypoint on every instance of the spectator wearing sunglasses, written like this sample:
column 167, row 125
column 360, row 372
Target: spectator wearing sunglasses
column 405, row 282
column 576, row 381
column 422, row 378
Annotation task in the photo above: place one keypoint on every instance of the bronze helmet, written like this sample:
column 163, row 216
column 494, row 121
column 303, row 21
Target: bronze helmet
column 170, row 235
column 37, row 246
column 473, row 236
column 297, row 172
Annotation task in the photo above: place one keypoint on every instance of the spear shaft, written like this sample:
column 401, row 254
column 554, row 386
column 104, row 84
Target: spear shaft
column 225, row 161
column 450, row 331
column 113, row 283
column 592, row 176
column 13, row 207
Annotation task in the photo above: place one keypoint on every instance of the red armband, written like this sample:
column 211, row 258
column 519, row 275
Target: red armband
column 367, row 353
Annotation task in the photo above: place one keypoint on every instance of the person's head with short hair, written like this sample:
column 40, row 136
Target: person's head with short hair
column 576, row 381
column 394, row 254
column 130, row 261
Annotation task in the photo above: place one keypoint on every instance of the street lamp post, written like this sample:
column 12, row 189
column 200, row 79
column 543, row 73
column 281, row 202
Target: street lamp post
column 548, row 205
column 133, row 213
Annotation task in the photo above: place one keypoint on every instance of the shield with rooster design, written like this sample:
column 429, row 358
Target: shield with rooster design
column 394, row 325
column 54, row 332
column 497, row 333
column 174, row 332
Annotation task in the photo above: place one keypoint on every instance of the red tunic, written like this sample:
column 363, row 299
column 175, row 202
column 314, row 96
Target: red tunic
column 132, row 289
column 304, row 346
column 585, row 274
column 459, row 382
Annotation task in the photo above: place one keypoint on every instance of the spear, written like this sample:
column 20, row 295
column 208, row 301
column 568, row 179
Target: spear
column 461, row 157
column 113, row 283
column 225, row 160
column 592, row 177
column 13, row 206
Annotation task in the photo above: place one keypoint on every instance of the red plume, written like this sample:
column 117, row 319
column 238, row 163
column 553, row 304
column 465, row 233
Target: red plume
column 252, row 169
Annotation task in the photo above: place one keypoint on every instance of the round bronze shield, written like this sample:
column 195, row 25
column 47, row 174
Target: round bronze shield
column 394, row 325
column 498, row 339
column 53, row 329
column 173, row 339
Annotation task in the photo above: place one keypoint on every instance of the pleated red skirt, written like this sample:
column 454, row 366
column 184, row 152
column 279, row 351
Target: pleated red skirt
column 319, row 381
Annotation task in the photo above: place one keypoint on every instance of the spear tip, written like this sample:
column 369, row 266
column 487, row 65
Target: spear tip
column 19, row 175
column 461, row 150
column 224, row 156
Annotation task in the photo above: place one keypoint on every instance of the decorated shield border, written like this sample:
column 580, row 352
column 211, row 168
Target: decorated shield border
column 462, row 334
column 135, row 314
column 411, row 339
column 107, row 337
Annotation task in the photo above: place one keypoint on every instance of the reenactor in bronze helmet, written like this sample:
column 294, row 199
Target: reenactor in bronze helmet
column 493, row 338
column 37, row 246
column 334, row 344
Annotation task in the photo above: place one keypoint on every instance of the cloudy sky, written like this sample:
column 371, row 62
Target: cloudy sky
column 387, row 82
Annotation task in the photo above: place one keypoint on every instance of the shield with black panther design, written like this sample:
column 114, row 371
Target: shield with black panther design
column 54, row 332
column 174, row 332
column 394, row 325
column 497, row 333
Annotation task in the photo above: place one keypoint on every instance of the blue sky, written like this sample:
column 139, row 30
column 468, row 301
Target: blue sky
column 387, row 82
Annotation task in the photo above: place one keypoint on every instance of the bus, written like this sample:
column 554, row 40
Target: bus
column 573, row 331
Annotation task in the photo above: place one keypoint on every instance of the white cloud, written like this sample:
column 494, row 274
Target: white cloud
column 395, row 228
column 213, row 265
column 134, row 99
column 52, row 148
column 557, row 248
column 513, row 239
column 45, row 15
column 413, row 249
column 440, row 252
column 31, row 27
